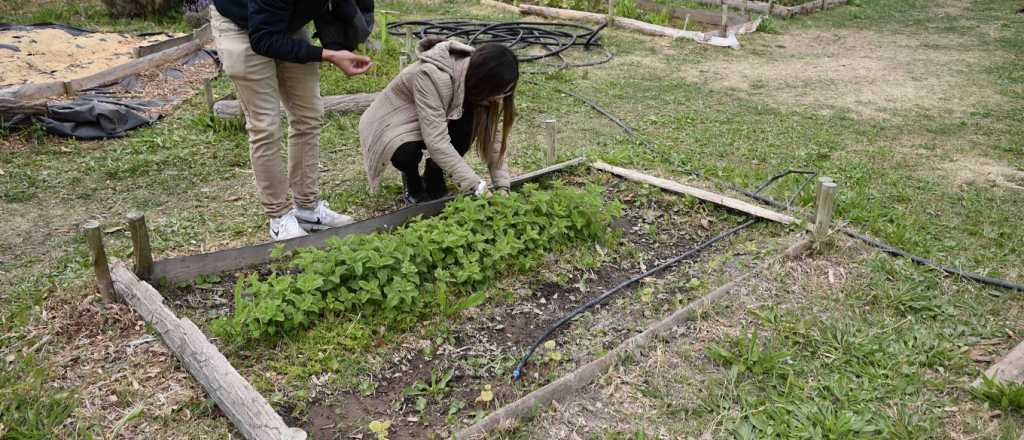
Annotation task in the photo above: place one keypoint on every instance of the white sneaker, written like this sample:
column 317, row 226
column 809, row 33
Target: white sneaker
column 285, row 227
column 320, row 217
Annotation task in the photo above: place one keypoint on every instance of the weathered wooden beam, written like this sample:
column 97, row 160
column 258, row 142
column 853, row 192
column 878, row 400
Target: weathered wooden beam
column 14, row 106
column 630, row 24
column 142, row 51
column 187, row 268
column 566, row 386
column 696, row 15
column 705, row 195
column 500, row 5
column 355, row 103
column 1009, row 369
column 98, row 256
column 141, row 250
column 235, row 396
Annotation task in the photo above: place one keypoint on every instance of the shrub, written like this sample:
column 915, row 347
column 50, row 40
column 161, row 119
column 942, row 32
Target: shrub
column 409, row 271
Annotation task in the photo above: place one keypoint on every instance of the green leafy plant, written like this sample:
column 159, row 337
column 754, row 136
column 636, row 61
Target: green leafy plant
column 419, row 268
column 1005, row 396
column 749, row 353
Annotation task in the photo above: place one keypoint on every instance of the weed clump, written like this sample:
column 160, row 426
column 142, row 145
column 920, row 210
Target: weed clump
column 405, row 273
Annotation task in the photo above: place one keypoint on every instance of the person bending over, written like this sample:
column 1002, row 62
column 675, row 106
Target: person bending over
column 452, row 96
column 267, row 54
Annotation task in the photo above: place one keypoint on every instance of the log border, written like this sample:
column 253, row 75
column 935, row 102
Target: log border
column 780, row 11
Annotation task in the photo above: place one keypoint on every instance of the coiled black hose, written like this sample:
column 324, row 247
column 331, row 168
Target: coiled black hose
column 530, row 40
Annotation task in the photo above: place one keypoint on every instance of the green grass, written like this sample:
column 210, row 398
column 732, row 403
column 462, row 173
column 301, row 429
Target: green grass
column 884, row 361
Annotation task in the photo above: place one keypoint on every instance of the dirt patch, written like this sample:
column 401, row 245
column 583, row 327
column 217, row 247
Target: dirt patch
column 983, row 171
column 871, row 74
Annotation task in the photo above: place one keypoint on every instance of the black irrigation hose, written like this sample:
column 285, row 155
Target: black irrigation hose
column 553, row 39
column 517, row 373
column 889, row 249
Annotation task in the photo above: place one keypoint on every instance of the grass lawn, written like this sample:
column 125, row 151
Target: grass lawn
column 914, row 107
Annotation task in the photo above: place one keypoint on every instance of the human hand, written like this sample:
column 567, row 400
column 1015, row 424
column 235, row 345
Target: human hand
column 482, row 189
column 348, row 62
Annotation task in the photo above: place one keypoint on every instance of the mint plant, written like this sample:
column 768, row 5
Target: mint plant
column 421, row 267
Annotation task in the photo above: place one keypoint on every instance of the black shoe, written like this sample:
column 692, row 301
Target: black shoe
column 410, row 196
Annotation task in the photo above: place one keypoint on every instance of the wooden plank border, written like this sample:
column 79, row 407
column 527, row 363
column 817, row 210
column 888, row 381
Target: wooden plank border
column 187, row 268
column 568, row 385
column 776, row 10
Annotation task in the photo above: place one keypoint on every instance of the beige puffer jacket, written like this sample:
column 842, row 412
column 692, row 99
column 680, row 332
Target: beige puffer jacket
column 416, row 106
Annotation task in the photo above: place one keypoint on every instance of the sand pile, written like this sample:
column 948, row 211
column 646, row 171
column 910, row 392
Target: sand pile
column 47, row 54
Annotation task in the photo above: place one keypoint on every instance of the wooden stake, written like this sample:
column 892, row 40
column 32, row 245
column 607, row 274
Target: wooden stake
column 402, row 61
column 208, row 93
column 826, row 204
column 94, row 238
column 743, row 7
column 771, row 4
column 725, row 18
column 686, row 22
column 611, row 11
column 549, row 130
column 410, row 50
column 140, row 244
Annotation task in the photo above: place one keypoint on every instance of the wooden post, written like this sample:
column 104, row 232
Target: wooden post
column 611, row 11
column 743, row 7
column 686, row 22
column 825, row 204
column 410, row 49
column 725, row 19
column 549, row 130
column 208, row 93
column 140, row 244
column 771, row 4
column 402, row 61
column 94, row 238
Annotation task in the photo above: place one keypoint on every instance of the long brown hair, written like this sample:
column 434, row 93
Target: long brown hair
column 493, row 72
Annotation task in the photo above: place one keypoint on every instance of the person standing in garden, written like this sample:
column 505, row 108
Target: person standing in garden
column 268, row 55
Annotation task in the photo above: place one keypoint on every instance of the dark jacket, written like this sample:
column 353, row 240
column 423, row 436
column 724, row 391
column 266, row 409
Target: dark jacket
column 340, row 24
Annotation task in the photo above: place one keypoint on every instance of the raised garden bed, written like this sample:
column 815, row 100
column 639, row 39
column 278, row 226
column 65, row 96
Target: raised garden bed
column 428, row 379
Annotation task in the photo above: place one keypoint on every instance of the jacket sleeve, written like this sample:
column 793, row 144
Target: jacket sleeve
column 269, row 36
column 499, row 175
column 434, row 127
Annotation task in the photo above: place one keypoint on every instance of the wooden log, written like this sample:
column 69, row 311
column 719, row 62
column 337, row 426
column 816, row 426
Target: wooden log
column 630, row 24
column 549, row 129
column 816, row 5
column 34, row 91
column 696, row 15
column 142, row 51
column 1009, row 369
column 98, row 256
column 567, row 385
column 356, row 103
column 117, row 73
column 14, row 106
column 825, row 205
column 187, row 268
column 141, row 250
column 705, row 195
column 208, row 94
column 500, row 5
column 235, row 396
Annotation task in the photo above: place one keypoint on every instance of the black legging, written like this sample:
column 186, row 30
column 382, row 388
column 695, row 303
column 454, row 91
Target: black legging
column 408, row 156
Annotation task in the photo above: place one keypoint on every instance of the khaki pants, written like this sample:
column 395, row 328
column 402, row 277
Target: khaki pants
column 262, row 84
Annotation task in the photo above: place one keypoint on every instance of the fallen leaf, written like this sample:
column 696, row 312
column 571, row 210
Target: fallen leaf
column 550, row 345
column 486, row 395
